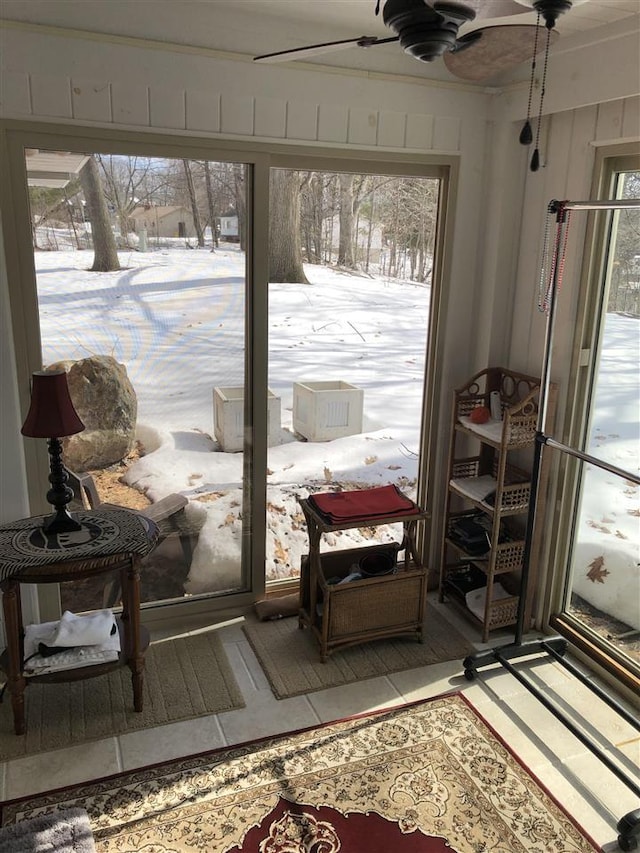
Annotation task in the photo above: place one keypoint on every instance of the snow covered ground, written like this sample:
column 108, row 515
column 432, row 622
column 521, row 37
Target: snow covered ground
column 175, row 318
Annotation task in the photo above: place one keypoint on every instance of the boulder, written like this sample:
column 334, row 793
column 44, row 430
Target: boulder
column 107, row 405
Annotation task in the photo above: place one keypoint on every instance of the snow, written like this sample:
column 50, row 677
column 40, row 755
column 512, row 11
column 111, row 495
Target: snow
column 175, row 318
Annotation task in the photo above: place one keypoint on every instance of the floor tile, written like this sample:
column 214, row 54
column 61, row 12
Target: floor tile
column 336, row 703
column 49, row 770
column 593, row 796
column 415, row 684
column 266, row 716
column 150, row 746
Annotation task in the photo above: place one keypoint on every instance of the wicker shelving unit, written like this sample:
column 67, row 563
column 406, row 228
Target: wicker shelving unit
column 483, row 543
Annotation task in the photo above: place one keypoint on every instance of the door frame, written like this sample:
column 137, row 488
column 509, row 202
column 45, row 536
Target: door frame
column 589, row 319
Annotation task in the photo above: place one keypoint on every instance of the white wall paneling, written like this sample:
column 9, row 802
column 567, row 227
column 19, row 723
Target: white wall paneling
column 91, row 100
column 270, row 118
column 51, row 95
column 167, row 107
column 203, row 110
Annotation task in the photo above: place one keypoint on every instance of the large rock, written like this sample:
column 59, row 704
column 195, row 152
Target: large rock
column 106, row 402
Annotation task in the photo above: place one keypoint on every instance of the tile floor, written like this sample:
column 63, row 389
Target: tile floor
column 582, row 784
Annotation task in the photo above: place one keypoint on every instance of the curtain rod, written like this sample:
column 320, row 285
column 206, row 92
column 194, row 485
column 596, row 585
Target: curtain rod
column 559, row 207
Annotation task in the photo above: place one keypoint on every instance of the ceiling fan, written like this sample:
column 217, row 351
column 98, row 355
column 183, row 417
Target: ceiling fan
column 428, row 30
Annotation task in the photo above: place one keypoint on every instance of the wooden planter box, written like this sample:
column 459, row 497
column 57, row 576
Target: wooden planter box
column 326, row 410
column 228, row 417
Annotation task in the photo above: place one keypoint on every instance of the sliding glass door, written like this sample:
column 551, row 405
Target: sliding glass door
column 161, row 274
column 350, row 300
column 600, row 601
column 141, row 288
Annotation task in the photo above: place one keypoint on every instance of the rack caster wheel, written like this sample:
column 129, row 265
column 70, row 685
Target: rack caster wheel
column 470, row 674
column 629, row 828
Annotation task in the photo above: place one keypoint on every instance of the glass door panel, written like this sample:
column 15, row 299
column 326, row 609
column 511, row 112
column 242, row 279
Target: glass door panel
column 603, row 587
column 141, row 277
column 351, row 257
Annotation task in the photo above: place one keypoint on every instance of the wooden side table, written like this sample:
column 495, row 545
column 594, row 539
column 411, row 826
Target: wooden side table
column 111, row 540
column 357, row 611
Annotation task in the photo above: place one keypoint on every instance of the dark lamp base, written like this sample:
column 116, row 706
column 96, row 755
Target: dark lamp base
column 61, row 522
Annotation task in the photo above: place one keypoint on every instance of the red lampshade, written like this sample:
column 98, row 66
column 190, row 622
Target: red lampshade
column 51, row 414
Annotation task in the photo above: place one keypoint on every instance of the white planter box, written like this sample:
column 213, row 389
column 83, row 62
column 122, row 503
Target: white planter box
column 228, row 417
column 326, row 410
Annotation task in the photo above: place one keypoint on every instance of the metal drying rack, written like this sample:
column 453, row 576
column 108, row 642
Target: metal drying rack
column 628, row 827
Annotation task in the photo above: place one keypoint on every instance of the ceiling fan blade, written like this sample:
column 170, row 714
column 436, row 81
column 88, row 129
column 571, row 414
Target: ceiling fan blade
column 495, row 8
column 325, row 47
column 486, row 52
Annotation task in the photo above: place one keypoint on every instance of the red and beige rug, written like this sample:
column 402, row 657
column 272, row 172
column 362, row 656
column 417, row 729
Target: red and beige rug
column 430, row 777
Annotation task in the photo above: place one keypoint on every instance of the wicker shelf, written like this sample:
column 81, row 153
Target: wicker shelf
column 486, row 493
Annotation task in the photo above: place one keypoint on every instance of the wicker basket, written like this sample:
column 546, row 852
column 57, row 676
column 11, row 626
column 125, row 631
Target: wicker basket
column 365, row 609
column 514, row 495
column 503, row 612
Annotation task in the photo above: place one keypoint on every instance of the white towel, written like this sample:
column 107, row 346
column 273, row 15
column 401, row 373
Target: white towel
column 76, row 657
column 490, row 429
column 475, row 600
column 94, row 629
column 476, row 488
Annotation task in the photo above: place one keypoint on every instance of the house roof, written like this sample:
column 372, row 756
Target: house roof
column 158, row 211
column 53, row 169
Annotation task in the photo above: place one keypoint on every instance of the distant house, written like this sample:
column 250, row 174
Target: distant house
column 163, row 221
column 228, row 228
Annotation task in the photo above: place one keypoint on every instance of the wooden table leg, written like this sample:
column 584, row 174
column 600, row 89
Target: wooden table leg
column 13, row 627
column 131, row 605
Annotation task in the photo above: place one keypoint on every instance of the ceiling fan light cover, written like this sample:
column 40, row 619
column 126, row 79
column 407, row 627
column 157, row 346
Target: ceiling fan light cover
column 426, row 32
column 428, row 46
column 551, row 9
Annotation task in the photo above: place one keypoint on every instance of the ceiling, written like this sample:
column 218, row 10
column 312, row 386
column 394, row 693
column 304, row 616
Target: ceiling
column 253, row 27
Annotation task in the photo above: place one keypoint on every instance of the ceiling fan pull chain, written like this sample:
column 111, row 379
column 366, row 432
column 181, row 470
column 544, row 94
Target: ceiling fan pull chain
column 526, row 136
column 535, row 158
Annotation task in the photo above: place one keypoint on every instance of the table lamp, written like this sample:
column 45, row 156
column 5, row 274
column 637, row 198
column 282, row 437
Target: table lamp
column 52, row 416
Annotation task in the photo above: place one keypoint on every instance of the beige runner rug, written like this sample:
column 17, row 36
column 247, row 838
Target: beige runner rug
column 424, row 778
column 290, row 657
column 184, row 678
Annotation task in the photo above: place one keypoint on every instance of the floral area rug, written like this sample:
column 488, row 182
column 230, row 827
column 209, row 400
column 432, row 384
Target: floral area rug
column 430, row 777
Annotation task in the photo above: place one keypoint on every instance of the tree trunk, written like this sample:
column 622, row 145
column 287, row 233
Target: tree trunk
column 345, row 244
column 194, row 205
column 372, row 213
column 105, row 255
column 285, row 254
column 212, row 206
column 239, row 188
